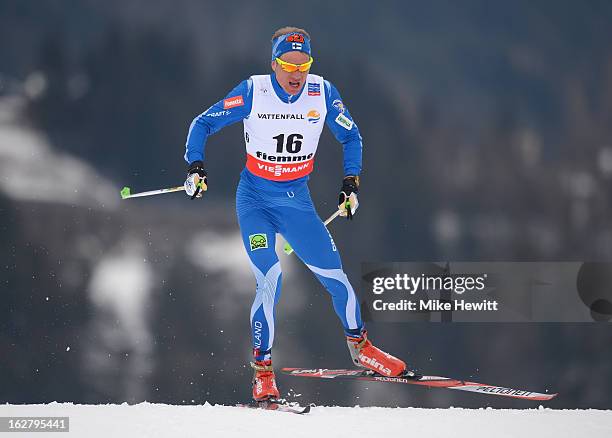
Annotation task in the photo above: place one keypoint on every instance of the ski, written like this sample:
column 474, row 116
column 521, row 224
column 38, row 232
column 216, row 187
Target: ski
column 411, row 378
column 275, row 405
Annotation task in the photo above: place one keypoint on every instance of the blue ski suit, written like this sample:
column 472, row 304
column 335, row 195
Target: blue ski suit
column 266, row 207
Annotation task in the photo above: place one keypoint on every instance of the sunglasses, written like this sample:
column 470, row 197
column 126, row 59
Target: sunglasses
column 290, row 68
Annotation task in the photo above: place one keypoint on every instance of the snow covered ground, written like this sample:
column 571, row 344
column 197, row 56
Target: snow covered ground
column 157, row 420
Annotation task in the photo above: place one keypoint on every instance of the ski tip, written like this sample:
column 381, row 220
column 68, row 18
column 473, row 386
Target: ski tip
column 125, row 192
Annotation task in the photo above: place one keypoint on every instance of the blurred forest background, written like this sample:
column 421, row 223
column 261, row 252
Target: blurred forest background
column 487, row 133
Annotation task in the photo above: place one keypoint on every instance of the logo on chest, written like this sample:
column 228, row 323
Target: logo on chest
column 273, row 116
column 313, row 116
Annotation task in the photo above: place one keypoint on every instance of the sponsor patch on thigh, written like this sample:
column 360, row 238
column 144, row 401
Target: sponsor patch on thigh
column 258, row 241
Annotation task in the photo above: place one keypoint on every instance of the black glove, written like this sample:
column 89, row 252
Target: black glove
column 197, row 181
column 347, row 201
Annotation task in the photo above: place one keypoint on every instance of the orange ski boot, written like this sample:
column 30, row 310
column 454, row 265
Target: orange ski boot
column 264, row 383
column 366, row 355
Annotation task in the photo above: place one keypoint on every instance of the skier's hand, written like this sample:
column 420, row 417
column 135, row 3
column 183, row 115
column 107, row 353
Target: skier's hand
column 347, row 201
column 196, row 182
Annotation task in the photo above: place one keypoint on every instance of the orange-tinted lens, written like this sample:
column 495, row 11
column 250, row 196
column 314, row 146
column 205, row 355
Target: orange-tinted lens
column 306, row 66
column 290, row 68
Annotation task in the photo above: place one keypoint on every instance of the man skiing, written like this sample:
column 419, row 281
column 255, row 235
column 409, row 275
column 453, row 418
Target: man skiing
column 283, row 114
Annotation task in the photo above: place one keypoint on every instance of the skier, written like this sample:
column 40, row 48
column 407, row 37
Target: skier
column 283, row 114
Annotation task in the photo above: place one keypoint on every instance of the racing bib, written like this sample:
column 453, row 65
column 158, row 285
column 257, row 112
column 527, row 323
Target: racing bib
column 282, row 138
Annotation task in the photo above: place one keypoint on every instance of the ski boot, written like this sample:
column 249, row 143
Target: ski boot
column 264, row 383
column 366, row 355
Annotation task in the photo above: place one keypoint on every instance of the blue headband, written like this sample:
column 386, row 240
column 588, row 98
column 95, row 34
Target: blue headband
column 290, row 42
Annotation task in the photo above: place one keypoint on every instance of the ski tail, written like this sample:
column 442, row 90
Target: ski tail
column 411, row 378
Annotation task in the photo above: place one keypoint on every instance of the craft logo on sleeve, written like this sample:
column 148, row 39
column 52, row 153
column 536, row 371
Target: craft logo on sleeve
column 219, row 114
column 258, row 241
column 314, row 89
column 232, row 102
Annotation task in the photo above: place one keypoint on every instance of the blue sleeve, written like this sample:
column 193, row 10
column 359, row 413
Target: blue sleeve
column 341, row 124
column 233, row 108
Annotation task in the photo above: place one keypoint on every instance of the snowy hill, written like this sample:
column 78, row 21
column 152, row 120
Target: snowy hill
column 157, row 420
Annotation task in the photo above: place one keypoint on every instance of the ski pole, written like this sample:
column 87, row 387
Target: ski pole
column 288, row 250
column 126, row 192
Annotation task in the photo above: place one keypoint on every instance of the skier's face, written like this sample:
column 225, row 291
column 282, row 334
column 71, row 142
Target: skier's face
column 292, row 82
